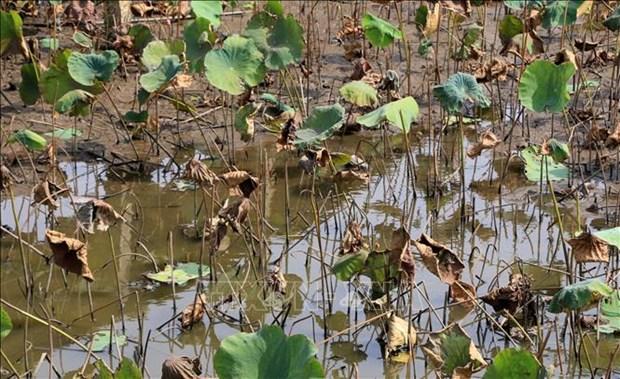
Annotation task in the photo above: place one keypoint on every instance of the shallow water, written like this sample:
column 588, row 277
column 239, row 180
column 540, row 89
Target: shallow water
column 502, row 233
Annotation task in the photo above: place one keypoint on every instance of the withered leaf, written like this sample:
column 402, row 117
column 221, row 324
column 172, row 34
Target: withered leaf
column 287, row 133
column 360, row 68
column 447, row 345
column 585, row 45
column 512, row 297
column 458, row 6
column 439, row 260
column 276, row 281
column 6, row 178
column 463, row 293
column 399, row 335
column 487, row 140
column 194, row 312
column 199, row 172
column 234, row 211
column 180, row 368
column 97, row 214
column 141, row 9
column 241, row 179
column 348, row 175
column 401, row 245
column 565, row 55
column 353, row 239
column 69, row 254
column 589, row 248
column 614, row 138
column 495, row 69
column 46, row 193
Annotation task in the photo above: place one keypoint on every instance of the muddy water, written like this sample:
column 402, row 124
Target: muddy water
column 502, row 233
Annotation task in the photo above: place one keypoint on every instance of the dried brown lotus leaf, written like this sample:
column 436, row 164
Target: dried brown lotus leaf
column 487, row 141
column 495, row 69
column 585, row 45
column 463, row 293
column 360, row 68
column 462, row 7
column 182, row 81
column 399, row 335
column 276, row 281
column 439, row 259
column 614, row 138
column 353, row 239
column 235, row 212
column 46, row 193
column 348, row 175
column 194, row 312
column 180, row 368
column 512, row 297
column 69, row 253
column 199, row 172
column 6, row 178
column 589, row 248
column 565, row 55
column 141, row 9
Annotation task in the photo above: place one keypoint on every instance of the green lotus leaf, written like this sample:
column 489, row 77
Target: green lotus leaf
column 425, row 46
column 268, row 353
column 64, row 134
column 127, row 369
column 199, row 38
column 49, row 43
column 535, row 162
column 236, row 66
column 382, row 266
column 350, row 265
column 514, row 363
column 6, row 325
column 378, row 31
column 183, row 273
column 611, row 236
column 273, row 100
column 155, row 51
column 520, row 4
column 141, row 36
column 450, row 349
column 400, row 113
column 560, row 12
column 459, row 89
column 210, row 10
column 579, row 295
column 320, row 125
column 29, row 139
column 509, row 27
column 160, row 78
column 275, row 8
column 280, row 39
column 11, row 33
column 75, row 102
column 610, row 314
column 82, row 39
column 87, row 69
column 613, row 22
column 136, row 117
column 559, row 150
column 543, row 86
column 101, row 340
column 56, row 80
column 359, row 93
column 29, row 87
column 244, row 121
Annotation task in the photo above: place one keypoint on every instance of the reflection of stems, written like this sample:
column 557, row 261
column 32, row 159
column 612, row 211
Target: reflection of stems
column 6, row 359
column 118, row 281
column 171, row 254
column 19, row 238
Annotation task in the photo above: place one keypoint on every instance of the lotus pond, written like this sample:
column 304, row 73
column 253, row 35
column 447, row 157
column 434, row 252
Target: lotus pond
column 301, row 189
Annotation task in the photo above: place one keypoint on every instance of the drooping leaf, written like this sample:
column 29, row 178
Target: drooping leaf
column 82, row 39
column 515, row 363
column 588, row 248
column 267, row 353
column 509, row 27
column 543, row 86
column 359, row 93
column 427, row 20
column 64, row 134
column 103, row 338
column 349, row 265
column 69, row 253
column 156, row 51
column 559, row 151
column 236, row 66
column 199, row 38
column 610, row 314
column 29, row 87
column 159, row 78
column 320, row 125
column 86, row 69
column 6, row 325
column 29, row 139
column 452, row 351
column 487, row 140
column 399, row 337
column 439, row 259
column 378, row 31
column 244, row 121
column 458, row 90
column 579, row 295
column 11, row 33
column 141, row 36
column 611, row 236
column 75, row 102
column 210, row 10
column 183, row 273
column 560, row 12
column 541, row 167
column 613, row 22
column 400, row 114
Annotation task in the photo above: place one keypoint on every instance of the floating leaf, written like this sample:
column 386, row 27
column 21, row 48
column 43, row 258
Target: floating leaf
column 610, row 314
column 579, row 295
column 359, row 93
column 439, row 259
column 611, row 236
column 320, row 125
column 199, row 38
column 236, row 66
column 82, row 39
column 6, row 325
column 588, row 248
column 400, row 113
column 378, row 31
column 267, row 353
column 350, row 265
column 613, row 22
column 75, row 102
column 543, row 86
column 86, row 69
column 541, row 167
column 64, row 134
column 183, row 273
column 515, row 363
column 244, row 121
column 103, row 338
column 29, row 87
column 210, row 10
column 452, row 351
column 459, row 89
column 156, row 51
column 69, row 254
column 160, row 78
column 194, row 312
column 29, row 139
